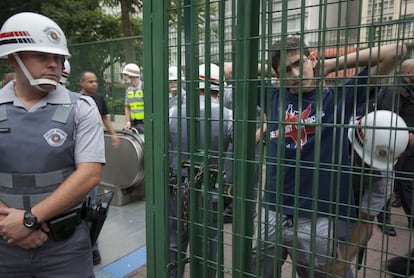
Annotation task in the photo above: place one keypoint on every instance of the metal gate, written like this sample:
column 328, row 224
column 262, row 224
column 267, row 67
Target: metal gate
column 238, row 36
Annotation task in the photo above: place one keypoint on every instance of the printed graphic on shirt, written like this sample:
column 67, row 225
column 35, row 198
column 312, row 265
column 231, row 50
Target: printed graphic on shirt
column 291, row 129
column 55, row 137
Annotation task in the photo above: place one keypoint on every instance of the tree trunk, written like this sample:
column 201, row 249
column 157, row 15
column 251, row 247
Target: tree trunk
column 130, row 55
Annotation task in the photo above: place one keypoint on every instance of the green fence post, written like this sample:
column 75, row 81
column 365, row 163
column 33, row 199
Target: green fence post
column 246, row 61
column 156, row 137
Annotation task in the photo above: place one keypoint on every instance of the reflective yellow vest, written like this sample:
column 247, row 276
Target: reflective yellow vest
column 135, row 98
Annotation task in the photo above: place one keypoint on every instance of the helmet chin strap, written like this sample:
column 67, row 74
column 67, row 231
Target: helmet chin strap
column 34, row 82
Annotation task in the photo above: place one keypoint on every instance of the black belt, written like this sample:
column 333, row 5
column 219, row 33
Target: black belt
column 63, row 226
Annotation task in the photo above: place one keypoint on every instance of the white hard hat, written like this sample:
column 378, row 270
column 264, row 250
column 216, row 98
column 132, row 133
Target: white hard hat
column 28, row 31
column 132, row 70
column 172, row 73
column 379, row 138
column 65, row 72
column 214, row 77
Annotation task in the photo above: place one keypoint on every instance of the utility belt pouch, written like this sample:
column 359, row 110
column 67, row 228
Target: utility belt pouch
column 97, row 214
column 63, row 227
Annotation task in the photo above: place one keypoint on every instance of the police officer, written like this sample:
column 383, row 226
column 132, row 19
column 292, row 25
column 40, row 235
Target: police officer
column 215, row 141
column 134, row 99
column 399, row 98
column 59, row 138
column 173, row 93
column 377, row 139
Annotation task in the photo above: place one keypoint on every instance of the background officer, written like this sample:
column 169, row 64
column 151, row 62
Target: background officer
column 134, row 99
column 214, row 142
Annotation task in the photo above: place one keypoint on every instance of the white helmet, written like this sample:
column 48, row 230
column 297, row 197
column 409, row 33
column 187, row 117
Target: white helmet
column 65, row 72
column 28, row 31
column 379, row 138
column 172, row 73
column 132, row 70
column 214, row 77
column 32, row 32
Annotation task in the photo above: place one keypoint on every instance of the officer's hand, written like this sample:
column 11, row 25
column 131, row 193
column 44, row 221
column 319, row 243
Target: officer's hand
column 35, row 239
column 11, row 227
column 127, row 126
column 259, row 132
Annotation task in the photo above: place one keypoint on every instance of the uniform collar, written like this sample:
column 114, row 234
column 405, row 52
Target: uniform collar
column 57, row 96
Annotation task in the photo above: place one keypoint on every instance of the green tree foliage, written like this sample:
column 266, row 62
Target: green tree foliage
column 127, row 8
column 11, row 7
column 82, row 21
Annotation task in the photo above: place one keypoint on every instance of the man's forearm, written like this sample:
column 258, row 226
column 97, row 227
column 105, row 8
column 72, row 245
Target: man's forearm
column 381, row 61
column 372, row 56
column 73, row 190
column 360, row 236
column 108, row 125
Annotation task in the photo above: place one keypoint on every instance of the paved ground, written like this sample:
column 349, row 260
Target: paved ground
column 374, row 261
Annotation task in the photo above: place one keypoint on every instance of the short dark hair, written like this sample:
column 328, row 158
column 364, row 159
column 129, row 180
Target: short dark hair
column 292, row 43
column 83, row 73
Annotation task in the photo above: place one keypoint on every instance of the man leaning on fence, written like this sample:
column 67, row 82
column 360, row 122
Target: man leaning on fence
column 307, row 190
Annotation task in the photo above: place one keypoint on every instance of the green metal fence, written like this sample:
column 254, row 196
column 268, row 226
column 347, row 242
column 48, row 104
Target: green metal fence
column 187, row 33
column 106, row 59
